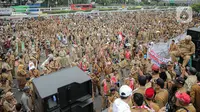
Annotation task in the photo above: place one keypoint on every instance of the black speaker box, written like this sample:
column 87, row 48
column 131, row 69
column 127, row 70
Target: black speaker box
column 73, row 93
column 63, row 89
column 196, row 63
column 195, row 34
column 86, row 106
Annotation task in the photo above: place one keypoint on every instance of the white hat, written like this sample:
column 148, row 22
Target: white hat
column 188, row 37
column 31, row 66
column 125, row 91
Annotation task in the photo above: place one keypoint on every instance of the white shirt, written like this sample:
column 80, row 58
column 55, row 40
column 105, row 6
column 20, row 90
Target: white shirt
column 120, row 106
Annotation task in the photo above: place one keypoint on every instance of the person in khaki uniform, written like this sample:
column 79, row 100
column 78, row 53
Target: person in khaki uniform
column 149, row 96
column 63, row 54
column 5, row 75
column 96, row 82
column 170, row 69
column 1, row 64
column 183, row 103
column 195, row 94
column 8, row 71
column 123, row 67
column 179, row 83
column 21, row 76
column 106, row 85
column 130, row 82
column 9, row 103
column 108, row 69
column 54, row 65
column 186, row 48
column 11, row 62
column 139, row 103
column 142, row 82
column 161, row 97
column 5, row 85
column 173, row 47
column 113, row 95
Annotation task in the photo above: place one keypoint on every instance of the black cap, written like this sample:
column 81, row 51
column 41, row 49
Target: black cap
column 169, row 63
column 160, row 82
column 191, row 70
column 112, row 89
column 163, row 66
column 26, row 88
column 180, row 80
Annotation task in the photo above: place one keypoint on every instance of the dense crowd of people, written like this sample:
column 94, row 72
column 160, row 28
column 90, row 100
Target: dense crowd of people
column 111, row 48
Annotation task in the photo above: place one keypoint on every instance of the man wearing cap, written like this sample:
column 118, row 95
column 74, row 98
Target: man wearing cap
column 191, row 78
column 161, row 97
column 170, row 69
column 163, row 71
column 26, row 99
column 195, row 94
column 186, row 48
column 121, row 104
column 149, row 95
column 179, row 82
column 9, row 103
column 183, row 103
column 155, row 74
column 113, row 95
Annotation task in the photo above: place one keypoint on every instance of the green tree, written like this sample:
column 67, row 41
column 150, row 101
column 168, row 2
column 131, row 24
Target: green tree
column 196, row 7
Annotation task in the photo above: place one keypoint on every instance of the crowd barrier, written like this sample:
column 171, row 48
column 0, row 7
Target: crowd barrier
column 65, row 14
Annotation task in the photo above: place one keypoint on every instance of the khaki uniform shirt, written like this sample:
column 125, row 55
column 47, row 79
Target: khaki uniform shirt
column 153, row 105
column 190, row 81
column 139, row 110
column 190, row 108
column 182, row 90
column 8, row 106
column 195, row 96
column 140, row 90
column 187, row 48
column 161, row 97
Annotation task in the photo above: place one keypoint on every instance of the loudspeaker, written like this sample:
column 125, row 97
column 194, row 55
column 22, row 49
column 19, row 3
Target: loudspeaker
column 75, row 92
column 196, row 63
column 85, row 106
column 195, row 34
column 68, row 88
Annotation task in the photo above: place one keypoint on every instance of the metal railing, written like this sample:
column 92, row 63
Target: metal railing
column 49, row 15
column 97, row 7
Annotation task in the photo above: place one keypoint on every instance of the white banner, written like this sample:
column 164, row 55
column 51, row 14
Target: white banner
column 5, row 11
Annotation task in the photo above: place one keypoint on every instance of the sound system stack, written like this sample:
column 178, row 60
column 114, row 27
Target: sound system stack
column 67, row 90
column 195, row 34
